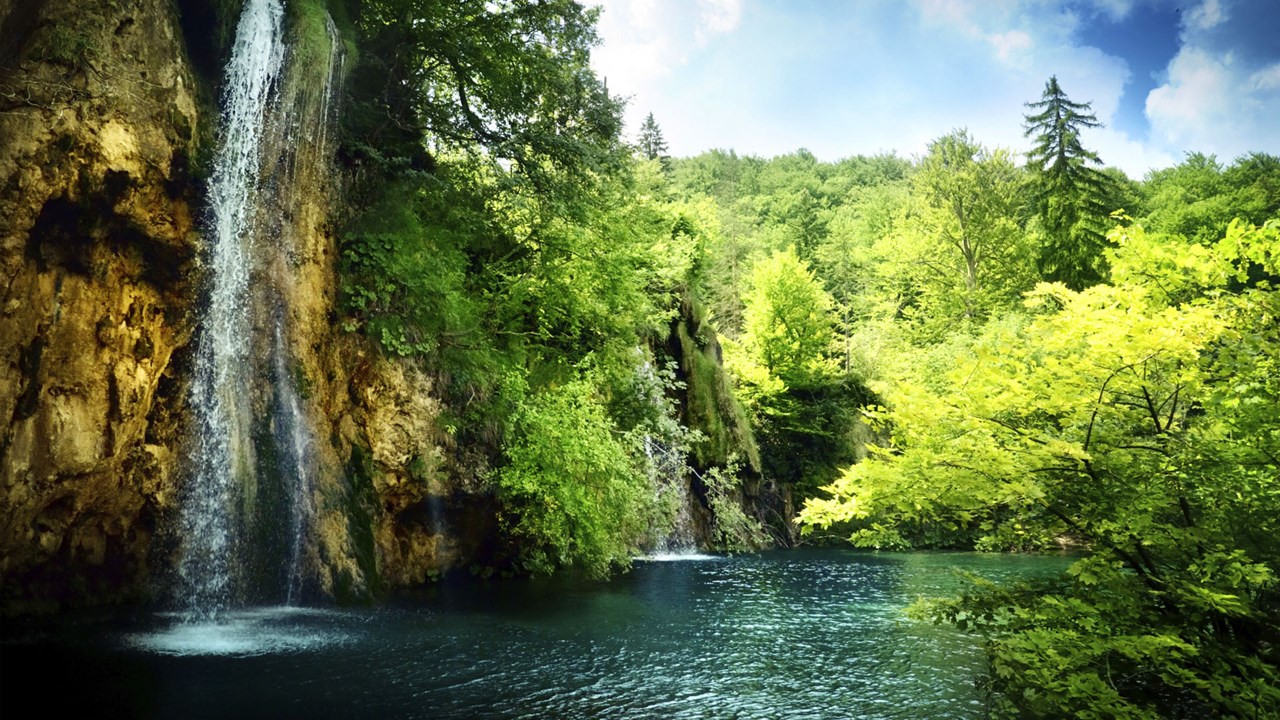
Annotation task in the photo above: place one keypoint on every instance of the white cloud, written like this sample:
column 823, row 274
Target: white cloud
column 999, row 56
column 958, row 14
column 1207, row 16
column 645, row 43
column 1215, row 101
column 1267, row 78
column 1133, row 157
column 717, row 17
column 1116, row 10
column 1194, row 98
column 867, row 77
column 1010, row 44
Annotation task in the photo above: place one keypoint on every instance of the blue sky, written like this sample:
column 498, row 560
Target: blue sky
column 840, row 78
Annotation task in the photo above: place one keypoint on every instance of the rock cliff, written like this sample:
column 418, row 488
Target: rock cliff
column 105, row 127
column 98, row 128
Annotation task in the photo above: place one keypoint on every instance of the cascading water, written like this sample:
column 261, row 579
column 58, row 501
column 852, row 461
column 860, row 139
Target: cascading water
column 669, row 476
column 668, row 472
column 223, row 456
column 294, row 452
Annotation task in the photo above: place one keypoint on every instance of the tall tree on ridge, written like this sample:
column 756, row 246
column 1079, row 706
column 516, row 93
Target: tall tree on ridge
column 1068, row 191
column 652, row 145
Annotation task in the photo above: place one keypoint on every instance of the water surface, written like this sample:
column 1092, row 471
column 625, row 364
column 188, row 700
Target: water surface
column 800, row 634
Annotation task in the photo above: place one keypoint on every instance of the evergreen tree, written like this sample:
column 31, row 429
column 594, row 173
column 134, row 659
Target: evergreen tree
column 1067, row 190
column 652, row 146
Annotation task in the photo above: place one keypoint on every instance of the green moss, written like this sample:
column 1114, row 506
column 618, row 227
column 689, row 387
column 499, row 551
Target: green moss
column 360, row 499
column 421, row 469
column 710, row 405
column 311, row 42
column 67, row 46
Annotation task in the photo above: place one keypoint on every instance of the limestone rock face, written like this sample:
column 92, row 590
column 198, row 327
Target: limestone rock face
column 429, row 513
column 97, row 251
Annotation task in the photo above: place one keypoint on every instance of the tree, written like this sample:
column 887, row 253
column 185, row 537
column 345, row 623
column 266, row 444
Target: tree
column 1198, row 198
column 1140, row 419
column 511, row 77
column 960, row 254
column 787, row 318
column 1068, row 192
column 846, row 259
column 652, row 146
column 570, row 494
column 803, row 410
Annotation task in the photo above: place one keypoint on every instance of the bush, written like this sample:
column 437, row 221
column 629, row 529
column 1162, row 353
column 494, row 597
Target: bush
column 570, row 494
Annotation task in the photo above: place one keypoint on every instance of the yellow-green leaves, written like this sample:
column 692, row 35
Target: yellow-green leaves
column 571, row 496
column 787, row 317
column 1140, row 420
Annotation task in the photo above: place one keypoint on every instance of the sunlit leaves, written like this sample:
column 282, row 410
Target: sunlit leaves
column 571, row 496
column 788, row 317
column 1140, row 420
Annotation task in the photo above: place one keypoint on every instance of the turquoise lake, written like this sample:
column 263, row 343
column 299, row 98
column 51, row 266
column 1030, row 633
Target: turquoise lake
column 785, row 634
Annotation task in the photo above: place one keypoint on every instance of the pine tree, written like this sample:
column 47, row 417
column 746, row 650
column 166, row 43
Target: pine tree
column 1068, row 192
column 652, row 146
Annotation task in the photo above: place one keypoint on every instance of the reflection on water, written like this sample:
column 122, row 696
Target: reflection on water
column 809, row 634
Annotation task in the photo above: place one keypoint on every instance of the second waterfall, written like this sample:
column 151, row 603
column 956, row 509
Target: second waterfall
column 248, row 491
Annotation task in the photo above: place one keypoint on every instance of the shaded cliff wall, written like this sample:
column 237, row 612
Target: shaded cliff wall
column 98, row 120
column 709, row 406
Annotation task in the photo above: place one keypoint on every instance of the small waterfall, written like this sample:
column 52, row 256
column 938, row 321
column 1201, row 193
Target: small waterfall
column 336, row 60
column 221, row 389
column 665, row 457
column 293, row 450
column 670, row 479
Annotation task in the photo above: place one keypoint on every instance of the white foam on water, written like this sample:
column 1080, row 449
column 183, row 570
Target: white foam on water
column 678, row 557
column 244, row 633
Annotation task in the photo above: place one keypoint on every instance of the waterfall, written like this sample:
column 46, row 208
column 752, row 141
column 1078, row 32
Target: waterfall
column 669, row 476
column 293, row 441
column 220, row 392
column 665, row 451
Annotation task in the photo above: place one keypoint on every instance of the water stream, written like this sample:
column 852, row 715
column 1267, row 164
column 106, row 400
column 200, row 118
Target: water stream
column 293, row 450
column 669, row 475
column 223, row 455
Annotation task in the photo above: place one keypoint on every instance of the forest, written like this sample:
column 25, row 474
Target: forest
column 1007, row 349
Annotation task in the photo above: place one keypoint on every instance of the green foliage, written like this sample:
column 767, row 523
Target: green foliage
column 1069, row 194
column 571, row 495
column 804, row 409
column 405, row 269
column 787, row 318
column 506, row 239
column 309, row 26
column 961, row 252
column 1143, row 421
column 1198, row 198
column 733, row 529
column 512, row 77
